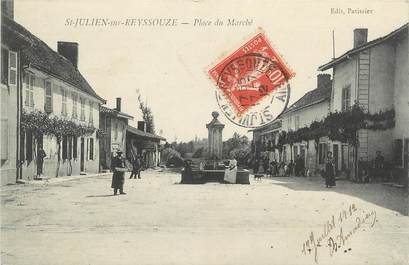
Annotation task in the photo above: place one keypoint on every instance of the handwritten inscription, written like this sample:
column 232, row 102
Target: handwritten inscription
column 334, row 235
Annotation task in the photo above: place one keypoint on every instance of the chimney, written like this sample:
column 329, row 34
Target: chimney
column 69, row 50
column 323, row 79
column 142, row 126
column 360, row 37
column 7, row 8
column 118, row 104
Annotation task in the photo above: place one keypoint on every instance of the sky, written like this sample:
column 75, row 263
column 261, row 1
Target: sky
column 168, row 65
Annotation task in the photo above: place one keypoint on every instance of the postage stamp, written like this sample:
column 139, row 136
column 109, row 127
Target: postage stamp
column 252, row 83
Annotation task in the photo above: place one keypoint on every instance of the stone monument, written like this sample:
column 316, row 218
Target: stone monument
column 215, row 140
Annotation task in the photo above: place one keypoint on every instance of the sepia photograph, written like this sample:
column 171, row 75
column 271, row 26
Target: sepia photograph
column 204, row 132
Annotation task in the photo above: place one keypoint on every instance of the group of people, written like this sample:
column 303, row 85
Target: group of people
column 296, row 168
column 118, row 167
column 273, row 168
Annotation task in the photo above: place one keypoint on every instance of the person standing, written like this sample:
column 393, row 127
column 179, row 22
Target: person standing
column 40, row 161
column 329, row 171
column 118, row 177
column 378, row 166
column 136, row 168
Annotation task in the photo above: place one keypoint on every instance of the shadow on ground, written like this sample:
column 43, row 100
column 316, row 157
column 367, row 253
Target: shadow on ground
column 392, row 198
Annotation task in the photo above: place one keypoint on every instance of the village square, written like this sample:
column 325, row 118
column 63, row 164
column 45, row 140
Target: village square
column 83, row 181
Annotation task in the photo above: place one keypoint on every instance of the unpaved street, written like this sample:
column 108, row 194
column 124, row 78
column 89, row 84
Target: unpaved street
column 162, row 222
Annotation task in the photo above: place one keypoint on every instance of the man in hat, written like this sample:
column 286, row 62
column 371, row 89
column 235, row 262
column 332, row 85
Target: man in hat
column 118, row 177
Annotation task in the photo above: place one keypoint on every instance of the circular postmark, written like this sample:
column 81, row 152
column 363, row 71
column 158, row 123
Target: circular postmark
column 252, row 90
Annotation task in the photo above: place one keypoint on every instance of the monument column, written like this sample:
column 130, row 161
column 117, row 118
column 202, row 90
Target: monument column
column 215, row 140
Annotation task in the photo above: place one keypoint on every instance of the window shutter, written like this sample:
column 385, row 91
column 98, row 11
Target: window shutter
column 12, row 68
column 27, row 90
column 48, row 106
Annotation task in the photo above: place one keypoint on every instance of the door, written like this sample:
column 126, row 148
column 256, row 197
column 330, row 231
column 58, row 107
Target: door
column 336, row 156
column 344, row 157
column 406, row 159
column 82, row 156
column 40, row 159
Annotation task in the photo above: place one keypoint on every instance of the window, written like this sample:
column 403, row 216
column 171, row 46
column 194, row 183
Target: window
column 29, row 90
column 12, row 68
column 116, row 130
column 82, row 109
column 91, row 118
column 64, row 147
column 48, row 105
column 74, row 105
column 398, row 152
column 4, row 66
column 4, row 135
column 346, row 98
column 74, row 147
column 64, row 102
column 322, row 152
column 295, row 151
column 91, row 149
column 297, row 122
column 290, row 120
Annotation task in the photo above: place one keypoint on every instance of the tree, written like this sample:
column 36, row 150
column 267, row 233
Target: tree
column 147, row 114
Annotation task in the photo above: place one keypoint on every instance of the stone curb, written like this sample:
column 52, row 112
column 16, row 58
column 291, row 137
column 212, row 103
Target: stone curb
column 56, row 180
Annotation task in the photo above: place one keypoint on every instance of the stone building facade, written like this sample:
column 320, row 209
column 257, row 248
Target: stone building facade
column 113, row 123
column 374, row 75
column 51, row 84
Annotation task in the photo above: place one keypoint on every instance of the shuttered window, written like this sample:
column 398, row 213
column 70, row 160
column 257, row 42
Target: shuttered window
column 64, row 102
column 29, row 81
column 91, row 113
column 82, row 117
column 346, row 98
column 4, row 66
column 74, row 105
column 48, row 105
column 12, row 68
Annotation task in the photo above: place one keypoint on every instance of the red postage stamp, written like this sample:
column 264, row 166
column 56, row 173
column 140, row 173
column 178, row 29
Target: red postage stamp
column 252, row 83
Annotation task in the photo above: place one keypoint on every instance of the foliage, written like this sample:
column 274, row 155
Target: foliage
column 184, row 148
column 341, row 126
column 101, row 133
column 171, row 156
column 147, row 115
column 237, row 147
column 41, row 124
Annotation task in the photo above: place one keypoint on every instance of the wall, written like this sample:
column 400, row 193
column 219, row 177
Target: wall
column 344, row 75
column 8, row 118
column 381, row 77
column 68, row 166
column 401, row 90
column 307, row 115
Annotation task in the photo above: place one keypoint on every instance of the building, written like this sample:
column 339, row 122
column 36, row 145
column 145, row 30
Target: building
column 12, row 44
column 143, row 143
column 113, row 124
column 265, row 138
column 58, row 110
column 375, row 75
column 313, row 106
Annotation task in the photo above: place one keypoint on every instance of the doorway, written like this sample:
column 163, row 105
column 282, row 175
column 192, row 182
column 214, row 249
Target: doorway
column 336, row 156
column 82, row 156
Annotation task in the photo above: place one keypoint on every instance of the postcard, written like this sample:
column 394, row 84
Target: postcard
column 204, row 132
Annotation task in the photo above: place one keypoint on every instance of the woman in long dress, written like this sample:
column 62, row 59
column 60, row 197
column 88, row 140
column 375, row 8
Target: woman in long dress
column 329, row 171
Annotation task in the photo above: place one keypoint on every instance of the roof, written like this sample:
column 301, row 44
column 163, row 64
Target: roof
column 312, row 97
column 143, row 134
column 365, row 46
column 274, row 125
column 115, row 113
column 40, row 56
